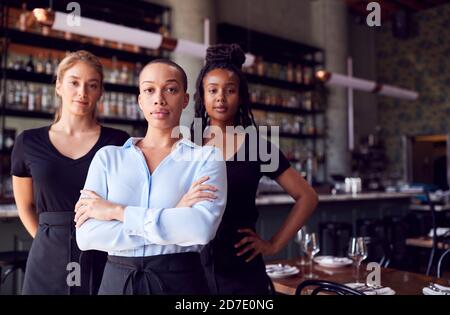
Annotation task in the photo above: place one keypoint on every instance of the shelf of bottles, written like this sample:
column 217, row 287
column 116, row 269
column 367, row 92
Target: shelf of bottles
column 30, row 90
column 34, row 53
column 285, row 95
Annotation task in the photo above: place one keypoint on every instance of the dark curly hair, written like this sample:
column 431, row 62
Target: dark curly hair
column 229, row 57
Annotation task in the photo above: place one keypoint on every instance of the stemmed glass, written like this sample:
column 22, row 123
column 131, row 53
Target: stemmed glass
column 299, row 237
column 310, row 246
column 357, row 251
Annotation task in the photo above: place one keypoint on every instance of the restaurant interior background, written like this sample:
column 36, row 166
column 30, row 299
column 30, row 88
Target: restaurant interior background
column 369, row 156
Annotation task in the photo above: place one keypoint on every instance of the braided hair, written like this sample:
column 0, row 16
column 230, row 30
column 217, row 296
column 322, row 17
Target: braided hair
column 229, row 57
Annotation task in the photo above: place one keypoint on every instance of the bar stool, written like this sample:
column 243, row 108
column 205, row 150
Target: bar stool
column 396, row 231
column 333, row 237
column 378, row 246
column 13, row 261
column 370, row 227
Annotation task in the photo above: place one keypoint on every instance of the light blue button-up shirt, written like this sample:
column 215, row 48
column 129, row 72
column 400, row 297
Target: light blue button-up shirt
column 152, row 225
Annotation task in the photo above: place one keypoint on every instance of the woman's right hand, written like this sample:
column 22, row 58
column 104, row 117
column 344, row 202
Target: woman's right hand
column 197, row 193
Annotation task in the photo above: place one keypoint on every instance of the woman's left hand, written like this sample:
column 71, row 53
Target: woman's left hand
column 95, row 207
column 255, row 243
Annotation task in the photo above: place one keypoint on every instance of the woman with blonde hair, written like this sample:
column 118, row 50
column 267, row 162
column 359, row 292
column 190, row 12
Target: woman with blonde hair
column 49, row 168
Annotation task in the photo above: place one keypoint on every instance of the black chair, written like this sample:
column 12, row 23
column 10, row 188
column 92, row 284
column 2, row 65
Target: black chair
column 12, row 261
column 326, row 286
column 434, row 234
column 441, row 259
column 333, row 237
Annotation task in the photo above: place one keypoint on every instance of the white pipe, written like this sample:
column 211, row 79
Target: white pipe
column 109, row 31
column 394, row 91
column 127, row 35
column 355, row 83
column 206, row 31
column 350, row 109
column 337, row 79
column 191, row 48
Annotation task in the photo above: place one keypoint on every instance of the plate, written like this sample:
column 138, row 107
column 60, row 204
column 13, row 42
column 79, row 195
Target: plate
column 281, row 271
column 332, row 262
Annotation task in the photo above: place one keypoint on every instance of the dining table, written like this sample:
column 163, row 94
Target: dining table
column 401, row 282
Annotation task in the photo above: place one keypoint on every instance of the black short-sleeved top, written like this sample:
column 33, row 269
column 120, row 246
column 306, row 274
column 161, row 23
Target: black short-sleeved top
column 57, row 179
column 240, row 211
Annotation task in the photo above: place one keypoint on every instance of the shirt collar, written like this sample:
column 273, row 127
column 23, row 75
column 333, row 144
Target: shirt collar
column 133, row 140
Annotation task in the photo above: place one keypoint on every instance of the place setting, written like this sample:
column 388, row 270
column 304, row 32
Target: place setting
column 436, row 289
column 277, row 271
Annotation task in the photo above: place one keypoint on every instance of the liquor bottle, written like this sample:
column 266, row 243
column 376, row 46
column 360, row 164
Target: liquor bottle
column 136, row 72
column 10, row 63
column 30, row 66
column 260, row 66
column 17, row 63
column 49, row 65
column 106, row 105
column 124, row 75
column 40, row 66
column 31, row 98
column 282, row 75
column 298, row 74
column 23, row 18
column 114, row 75
column 55, row 62
column 10, row 96
column 45, row 99
column 310, row 168
column 113, row 105
column 120, row 106
column 24, row 98
column 290, row 72
column 307, row 75
column 38, row 99
column 17, row 95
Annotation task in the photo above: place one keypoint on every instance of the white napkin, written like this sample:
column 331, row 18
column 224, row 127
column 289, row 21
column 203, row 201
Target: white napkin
column 428, row 291
column 371, row 291
column 334, row 260
column 440, row 231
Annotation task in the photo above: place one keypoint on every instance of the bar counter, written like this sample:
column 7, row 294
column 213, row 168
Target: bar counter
column 10, row 210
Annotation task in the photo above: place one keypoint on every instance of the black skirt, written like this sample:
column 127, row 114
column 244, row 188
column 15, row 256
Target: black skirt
column 160, row 275
column 54, row 247
column 228, row 274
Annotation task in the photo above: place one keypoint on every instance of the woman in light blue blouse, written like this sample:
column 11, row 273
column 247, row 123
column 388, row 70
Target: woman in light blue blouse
column 153, row 203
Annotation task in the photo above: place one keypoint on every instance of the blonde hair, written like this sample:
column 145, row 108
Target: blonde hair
column 68, row 62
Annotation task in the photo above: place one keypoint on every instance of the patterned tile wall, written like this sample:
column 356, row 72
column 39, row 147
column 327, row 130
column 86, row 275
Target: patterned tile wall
column 421, row 63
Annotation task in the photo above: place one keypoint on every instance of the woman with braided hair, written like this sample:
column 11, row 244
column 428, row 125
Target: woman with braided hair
column 233, row 259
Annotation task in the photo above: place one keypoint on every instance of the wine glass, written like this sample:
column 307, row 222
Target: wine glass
column 299, row 237
column 310, row 246
column 357, row 251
